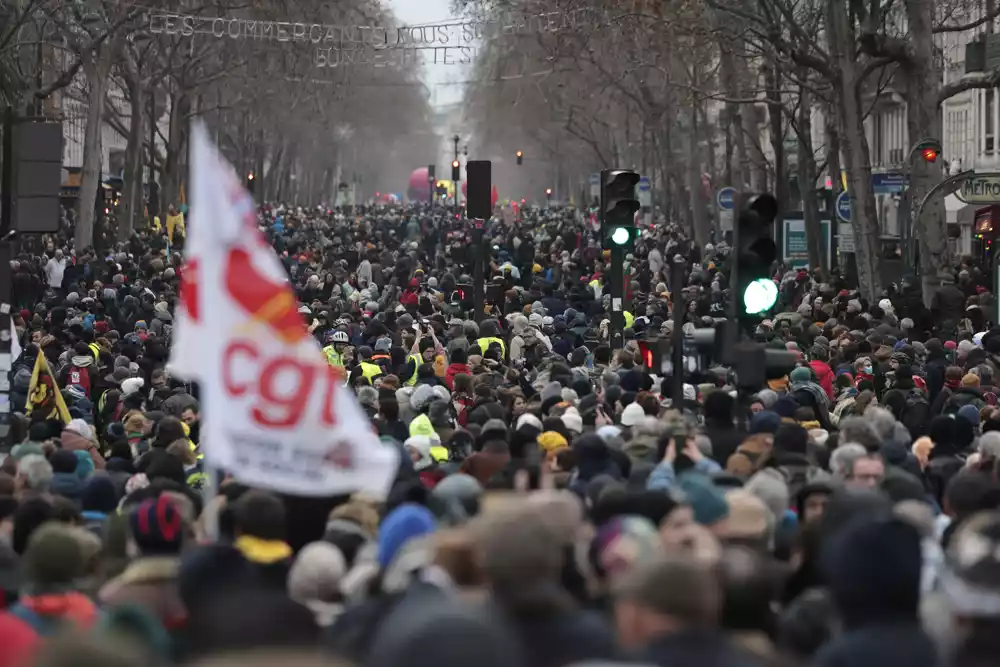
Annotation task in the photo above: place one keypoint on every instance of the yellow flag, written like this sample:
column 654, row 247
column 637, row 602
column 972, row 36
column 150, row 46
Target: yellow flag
column 43, row 392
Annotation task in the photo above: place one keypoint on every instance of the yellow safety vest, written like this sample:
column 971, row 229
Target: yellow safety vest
column 629, row 319
column 333, row 357
column 370, row 370
column 95, row 349
column 484, row 344
column 413, row 378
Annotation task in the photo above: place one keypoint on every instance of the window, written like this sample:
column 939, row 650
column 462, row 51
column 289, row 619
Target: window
column 988, row 120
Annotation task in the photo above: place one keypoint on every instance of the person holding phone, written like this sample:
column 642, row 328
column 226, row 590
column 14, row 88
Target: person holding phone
column 675, row 461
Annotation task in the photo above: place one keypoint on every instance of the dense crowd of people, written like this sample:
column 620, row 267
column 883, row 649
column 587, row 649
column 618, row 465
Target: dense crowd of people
column 553, row 505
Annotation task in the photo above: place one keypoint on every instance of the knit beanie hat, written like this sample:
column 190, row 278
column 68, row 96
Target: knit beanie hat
column 405, row 523
column 707, row 502
column 552, row 441
column 54, row 556
column 157, row 526
column 970, row 380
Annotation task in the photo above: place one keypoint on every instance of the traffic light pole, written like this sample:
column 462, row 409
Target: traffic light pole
column 618, row 207
column 677, row 271
column 616, row 287
column 479, row 175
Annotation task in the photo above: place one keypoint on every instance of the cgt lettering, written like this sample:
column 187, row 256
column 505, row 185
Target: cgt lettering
column 280, row 388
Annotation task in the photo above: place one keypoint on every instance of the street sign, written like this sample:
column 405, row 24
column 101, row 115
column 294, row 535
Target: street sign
column 795, row 251
column 845, row 237
column 889, row 183
column 843, row 206
column 644, row 195
column 725, row 198
column 595, row 185
column 981, row 188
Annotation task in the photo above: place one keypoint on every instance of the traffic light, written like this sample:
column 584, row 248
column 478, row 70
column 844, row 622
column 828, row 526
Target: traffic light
column 520, row 157
column 250, row 182
column 929, row 149
column 618, row 206
column 548, row 193
column 456, row 171
column 756, row 251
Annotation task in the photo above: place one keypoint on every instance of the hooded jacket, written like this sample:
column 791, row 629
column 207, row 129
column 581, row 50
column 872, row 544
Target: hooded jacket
column 453, row 370
column 824, row 376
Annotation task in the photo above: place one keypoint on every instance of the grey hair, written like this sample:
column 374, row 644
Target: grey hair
column 989, row 444
column 882, row 420
column 368, row 396
column 861, row 431
column 36, row 471
column 843, row 458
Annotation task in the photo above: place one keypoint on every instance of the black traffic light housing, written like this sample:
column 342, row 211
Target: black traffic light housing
column 520, row 157
column 754, row 293
column 618, row 207
column 456, row 171
column 251, row 182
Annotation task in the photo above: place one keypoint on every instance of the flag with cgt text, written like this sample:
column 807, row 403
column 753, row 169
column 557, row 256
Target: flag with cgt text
column 276, row 414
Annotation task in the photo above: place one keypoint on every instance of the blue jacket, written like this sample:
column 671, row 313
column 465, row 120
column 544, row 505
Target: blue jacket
column 663, row 476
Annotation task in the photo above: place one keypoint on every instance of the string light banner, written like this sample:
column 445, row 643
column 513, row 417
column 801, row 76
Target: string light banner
column 358, row 37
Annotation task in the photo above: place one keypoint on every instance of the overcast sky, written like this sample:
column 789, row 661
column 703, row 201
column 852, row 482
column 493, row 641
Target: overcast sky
column 439, row 78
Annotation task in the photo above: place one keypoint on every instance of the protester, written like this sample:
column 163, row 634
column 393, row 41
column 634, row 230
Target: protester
column 555, row 503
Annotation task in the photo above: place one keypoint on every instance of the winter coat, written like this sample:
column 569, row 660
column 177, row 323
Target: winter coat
column 947, row 308
column 67, row 485
column 899, row 644
column 961, row 397
column 150, row 583
column 453, row 370
column 725, row 440
column 49, row 614
column 565, row 638
column 824, row 376
column 695, row 647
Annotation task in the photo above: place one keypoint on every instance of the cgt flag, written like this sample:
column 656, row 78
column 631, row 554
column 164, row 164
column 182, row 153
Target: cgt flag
column 43, row 392
column 277, row 414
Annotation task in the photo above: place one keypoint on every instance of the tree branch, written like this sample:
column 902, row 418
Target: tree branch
column 962, row 27
column 974, row 81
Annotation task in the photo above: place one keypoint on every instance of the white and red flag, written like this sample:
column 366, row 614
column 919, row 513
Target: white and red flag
column 276, row 414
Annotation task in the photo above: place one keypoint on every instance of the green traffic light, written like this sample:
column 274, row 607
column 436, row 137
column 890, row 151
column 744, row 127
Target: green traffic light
column 760, row 296
column 620, row 236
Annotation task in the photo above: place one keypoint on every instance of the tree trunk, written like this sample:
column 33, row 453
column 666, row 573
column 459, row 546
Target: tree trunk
column 173, row 165
column 834, row 170
column 132, row 209
column 96, row 69
column 772, row 78
column 807, row 176
column 699, row 213
column 841, row 42
column 732, row 49
column 923, row 119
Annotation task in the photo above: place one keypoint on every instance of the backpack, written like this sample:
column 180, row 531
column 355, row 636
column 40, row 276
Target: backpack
column 916, row 414
column 79, row 376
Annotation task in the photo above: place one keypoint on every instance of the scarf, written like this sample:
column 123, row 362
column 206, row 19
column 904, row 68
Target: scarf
column 262, row 552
